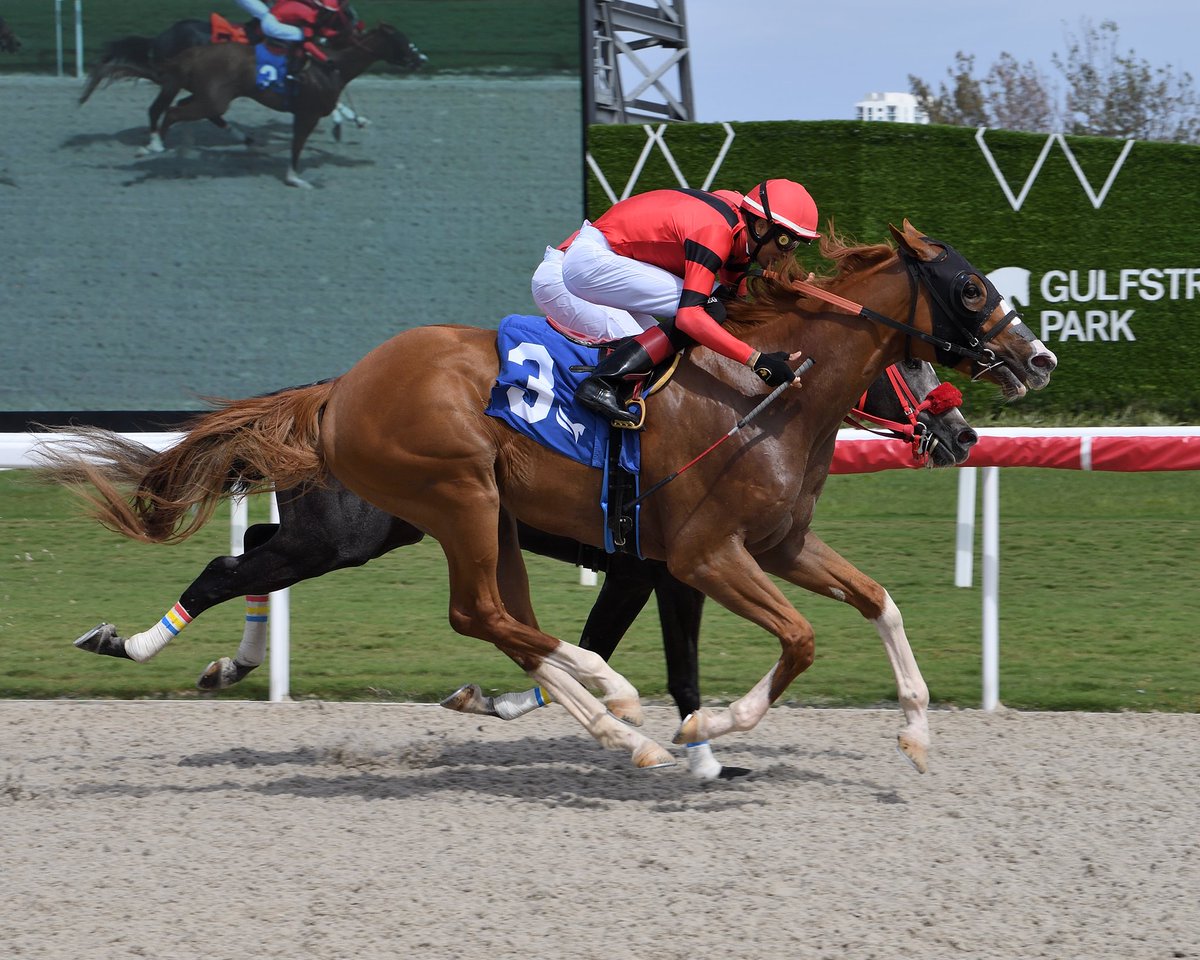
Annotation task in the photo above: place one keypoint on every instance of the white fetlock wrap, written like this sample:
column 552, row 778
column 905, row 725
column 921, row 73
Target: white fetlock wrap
column 509, row 706
column 701, row 762
column 252, row 651
column 142, row 646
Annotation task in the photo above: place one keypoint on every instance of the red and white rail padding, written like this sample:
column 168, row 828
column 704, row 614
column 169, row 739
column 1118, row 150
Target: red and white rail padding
column 1123, row 449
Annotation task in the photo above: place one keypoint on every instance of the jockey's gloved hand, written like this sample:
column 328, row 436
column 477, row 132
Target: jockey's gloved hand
column 773, row 368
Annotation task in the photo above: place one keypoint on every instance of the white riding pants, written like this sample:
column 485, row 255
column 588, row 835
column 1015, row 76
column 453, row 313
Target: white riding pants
column 270, row 26
column 595, row 291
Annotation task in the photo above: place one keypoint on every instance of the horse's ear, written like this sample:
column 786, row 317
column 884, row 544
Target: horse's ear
column 911, row 239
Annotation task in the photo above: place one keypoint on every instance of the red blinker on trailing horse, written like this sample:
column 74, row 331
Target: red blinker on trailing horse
column 405, row 429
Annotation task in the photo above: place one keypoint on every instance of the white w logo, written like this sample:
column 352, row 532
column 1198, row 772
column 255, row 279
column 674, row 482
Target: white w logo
column 1016, row 201
column 652, row 137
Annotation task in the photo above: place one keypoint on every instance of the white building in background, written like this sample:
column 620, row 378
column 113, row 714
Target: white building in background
column 890, row 108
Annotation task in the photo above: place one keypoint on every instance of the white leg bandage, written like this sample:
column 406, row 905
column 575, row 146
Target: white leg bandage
column 509, row 706
column 253, row 648
column 701, row 762
column 142, row 646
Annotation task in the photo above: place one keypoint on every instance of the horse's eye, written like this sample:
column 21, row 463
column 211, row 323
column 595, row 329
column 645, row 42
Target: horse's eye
column 972, row 291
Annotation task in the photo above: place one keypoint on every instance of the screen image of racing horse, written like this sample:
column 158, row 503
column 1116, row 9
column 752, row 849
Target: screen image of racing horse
column 151, row 281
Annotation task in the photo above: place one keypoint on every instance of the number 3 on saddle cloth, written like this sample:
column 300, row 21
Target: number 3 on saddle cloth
column 271, row 70
column 271, row 67
column 534, row 394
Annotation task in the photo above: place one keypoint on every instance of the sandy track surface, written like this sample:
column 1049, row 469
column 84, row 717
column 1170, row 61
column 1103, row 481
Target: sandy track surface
column 318, row 830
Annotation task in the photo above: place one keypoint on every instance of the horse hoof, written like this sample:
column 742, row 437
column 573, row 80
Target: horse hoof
column 691, row 730
column 223, row 673
column 294, row 181
column 650, row 756
column 913, row 751
column 627, row 711
column 469, row 698
column 732, row 773
column 337, row 132
column 103, row 639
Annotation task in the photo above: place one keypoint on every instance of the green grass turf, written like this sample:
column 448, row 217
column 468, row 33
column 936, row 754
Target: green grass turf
column 1098, row 604
column 513, row 36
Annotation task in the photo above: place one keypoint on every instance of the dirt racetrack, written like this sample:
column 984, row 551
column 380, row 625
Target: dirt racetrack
column 316, row 830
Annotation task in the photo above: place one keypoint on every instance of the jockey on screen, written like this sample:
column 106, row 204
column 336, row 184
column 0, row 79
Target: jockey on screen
column 306, row 22
column 662, row 254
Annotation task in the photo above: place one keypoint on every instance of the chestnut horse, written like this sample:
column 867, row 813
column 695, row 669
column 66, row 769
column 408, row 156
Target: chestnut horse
column 218, row 74
column 406, row 430
column 326, row 528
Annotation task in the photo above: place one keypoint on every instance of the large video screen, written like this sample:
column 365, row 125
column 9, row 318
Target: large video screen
column 146, row 282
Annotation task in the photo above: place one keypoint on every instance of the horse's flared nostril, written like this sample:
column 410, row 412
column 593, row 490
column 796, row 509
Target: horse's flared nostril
column 968, row 438
column 1044, row 361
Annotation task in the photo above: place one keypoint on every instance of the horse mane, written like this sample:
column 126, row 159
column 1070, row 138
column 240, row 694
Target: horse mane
column 770, row 294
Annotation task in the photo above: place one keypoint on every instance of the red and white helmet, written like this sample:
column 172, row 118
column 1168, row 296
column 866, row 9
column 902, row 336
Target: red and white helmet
column 786, row 205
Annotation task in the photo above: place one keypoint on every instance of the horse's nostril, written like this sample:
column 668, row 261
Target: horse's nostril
column 1044, row 361
column 968, row 438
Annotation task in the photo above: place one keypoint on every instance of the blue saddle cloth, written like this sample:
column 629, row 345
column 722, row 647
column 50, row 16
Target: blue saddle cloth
column 534, row 394
column 271, row 70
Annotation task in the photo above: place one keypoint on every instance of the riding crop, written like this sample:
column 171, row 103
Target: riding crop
column 766, row 402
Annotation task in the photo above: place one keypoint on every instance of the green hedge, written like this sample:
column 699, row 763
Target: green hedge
column 865, row 175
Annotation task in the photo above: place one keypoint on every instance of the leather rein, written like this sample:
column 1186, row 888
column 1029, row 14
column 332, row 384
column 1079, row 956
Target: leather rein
column 967, row 323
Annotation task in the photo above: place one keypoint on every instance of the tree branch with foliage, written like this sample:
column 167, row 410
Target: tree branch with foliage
column 1106, row 93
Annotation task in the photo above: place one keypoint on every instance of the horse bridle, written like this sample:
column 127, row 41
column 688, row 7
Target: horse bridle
column 949, row 270
column 945, row 396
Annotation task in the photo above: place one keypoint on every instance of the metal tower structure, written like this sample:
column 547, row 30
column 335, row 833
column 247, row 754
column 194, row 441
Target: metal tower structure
column 640, row 67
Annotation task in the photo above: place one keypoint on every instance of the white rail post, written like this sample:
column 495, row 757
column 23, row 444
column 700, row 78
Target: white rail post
column 964, row 533
column 280, row 625
column 991, row 588
column 58, row 44
column 239, row 519
column 587, row 577
column 78, row 39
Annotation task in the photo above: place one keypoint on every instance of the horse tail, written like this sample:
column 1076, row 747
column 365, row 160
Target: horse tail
column 126, row 59
column 242, row 446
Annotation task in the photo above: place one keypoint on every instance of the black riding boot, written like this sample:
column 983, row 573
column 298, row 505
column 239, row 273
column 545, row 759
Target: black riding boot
column 599, row 392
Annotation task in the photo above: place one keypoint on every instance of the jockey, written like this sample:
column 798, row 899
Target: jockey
column 662, row 254
column 298, row 21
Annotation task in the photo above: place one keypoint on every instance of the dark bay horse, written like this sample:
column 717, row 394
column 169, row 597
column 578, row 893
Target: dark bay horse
column 217, row 74
column 326, row 528
column 144, row 58
column 405, row 429
column 9, row 41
